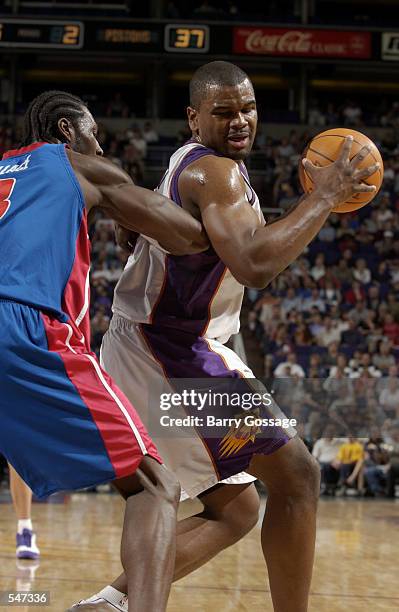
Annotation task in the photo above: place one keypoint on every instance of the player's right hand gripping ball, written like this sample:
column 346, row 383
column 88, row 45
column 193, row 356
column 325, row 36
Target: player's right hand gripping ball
column 325, row 148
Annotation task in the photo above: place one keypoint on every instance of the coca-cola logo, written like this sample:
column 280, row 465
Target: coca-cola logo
column 290, row 42
column 318, row 43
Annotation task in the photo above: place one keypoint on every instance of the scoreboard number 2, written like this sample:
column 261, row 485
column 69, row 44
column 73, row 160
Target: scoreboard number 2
column 71, row 35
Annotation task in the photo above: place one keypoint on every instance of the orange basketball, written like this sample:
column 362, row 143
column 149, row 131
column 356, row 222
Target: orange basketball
column 325, row 148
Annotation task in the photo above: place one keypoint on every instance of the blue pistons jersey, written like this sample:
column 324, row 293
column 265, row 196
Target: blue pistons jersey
column 64, row 423
column 44, row 248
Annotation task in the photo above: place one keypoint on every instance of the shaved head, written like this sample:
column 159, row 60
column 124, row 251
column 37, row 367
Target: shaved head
column 214, row 74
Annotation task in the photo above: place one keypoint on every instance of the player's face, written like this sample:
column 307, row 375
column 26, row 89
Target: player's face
column 82, row 134
column 226, row 120
column 85, row 136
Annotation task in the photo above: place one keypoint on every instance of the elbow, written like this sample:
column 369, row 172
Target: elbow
column 199, row 244
column 255, row 277
column 259, row 282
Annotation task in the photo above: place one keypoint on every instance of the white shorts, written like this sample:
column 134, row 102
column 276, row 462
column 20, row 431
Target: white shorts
column 141, row 358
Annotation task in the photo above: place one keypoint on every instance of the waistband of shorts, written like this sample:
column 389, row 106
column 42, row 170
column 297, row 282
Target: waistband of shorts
column 120, row 321
column 50, row 313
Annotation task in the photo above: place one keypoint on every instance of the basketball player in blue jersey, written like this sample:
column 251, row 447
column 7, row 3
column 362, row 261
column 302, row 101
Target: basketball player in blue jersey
column 172, row 317
column 64, row 423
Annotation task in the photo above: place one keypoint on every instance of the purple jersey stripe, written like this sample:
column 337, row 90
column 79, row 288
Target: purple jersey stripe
column 191, row 157
column 191, row 281
column 183, row 356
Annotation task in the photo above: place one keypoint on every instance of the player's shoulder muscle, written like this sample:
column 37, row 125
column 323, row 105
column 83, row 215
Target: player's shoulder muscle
column 212, row 179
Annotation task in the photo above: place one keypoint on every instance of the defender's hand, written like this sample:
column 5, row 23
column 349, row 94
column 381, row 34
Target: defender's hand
column 340, row 180
column 125, row 238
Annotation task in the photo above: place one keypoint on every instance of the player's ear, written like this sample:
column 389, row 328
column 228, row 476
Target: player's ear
column 192, row 116
column 65, row 129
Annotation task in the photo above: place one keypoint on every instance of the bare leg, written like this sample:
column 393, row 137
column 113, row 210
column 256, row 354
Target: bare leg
column 149, row 535
column 357, row 472
column 292, row 478
column 230, row 512
column 21, row 495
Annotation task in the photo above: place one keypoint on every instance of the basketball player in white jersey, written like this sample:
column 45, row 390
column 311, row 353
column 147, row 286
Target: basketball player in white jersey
column 172, row 316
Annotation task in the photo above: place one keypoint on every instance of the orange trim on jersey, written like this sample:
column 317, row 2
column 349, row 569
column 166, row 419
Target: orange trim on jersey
column 164, row 281
column 148, row 345
column 242, row 375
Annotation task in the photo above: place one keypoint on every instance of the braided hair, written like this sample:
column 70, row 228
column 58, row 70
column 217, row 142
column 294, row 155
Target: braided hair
column 44, row 112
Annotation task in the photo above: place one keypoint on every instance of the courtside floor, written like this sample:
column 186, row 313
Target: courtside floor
column 356, row 564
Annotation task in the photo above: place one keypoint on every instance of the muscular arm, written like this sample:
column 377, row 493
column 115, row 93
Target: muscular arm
column 255, row 254
column 106, row 186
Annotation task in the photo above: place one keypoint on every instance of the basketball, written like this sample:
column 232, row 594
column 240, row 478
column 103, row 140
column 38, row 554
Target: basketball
column 325, row 148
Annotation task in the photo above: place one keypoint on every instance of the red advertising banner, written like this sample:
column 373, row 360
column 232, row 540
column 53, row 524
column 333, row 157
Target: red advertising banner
column 302, row 43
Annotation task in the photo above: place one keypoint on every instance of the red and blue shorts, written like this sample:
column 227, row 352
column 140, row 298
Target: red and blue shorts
column 64, row 423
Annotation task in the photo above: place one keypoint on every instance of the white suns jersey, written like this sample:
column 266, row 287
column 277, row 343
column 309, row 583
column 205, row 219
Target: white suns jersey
column 196, row 294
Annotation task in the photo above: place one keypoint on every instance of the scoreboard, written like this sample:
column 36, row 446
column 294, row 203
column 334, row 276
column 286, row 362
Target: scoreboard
column 129, row 36
column 104, row 36
column 34, row 34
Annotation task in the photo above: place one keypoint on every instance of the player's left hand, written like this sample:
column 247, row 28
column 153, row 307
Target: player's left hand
column 125, row 238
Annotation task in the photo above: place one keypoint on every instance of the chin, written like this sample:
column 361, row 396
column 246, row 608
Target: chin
column 239, row 155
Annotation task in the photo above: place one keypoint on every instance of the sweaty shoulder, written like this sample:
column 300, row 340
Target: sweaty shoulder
column 94, row 173
column 212, row 179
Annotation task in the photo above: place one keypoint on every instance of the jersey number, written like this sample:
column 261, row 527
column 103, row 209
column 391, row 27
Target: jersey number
column 6, row 188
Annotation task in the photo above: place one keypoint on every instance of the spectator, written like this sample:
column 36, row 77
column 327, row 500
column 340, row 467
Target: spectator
column 315, row 116
column 150, row 134
column 319, row 269
column 393, row 450
column 325, row 451
column 290, row 302
column 350, row 460
column 138, row 141
column 361, row 273
column 375, row 464
column 352, row 114
column 342, row 366
column 360, row 312
column 384, row 359
column 364, row 365
column 389, row 394
column 314, row 301
column 355, row 294
column 117, row 107
column 391, row 329
column 331, row 332
column 289, row 368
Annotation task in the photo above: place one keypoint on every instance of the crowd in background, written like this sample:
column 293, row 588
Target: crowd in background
column 328, row 327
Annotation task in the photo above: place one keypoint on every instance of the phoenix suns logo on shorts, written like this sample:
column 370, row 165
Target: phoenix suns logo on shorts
column 237, row 437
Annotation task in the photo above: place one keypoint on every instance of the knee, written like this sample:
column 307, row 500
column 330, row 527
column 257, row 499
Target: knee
column 168, row 487
column 294, row 473
column 160, row 480
column 240, row 515
column 308, row 478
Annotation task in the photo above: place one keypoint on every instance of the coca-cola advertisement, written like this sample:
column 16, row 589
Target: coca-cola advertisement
column 299, row 42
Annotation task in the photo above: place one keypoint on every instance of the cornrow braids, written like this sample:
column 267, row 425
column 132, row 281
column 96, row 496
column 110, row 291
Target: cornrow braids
column 44, row 112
